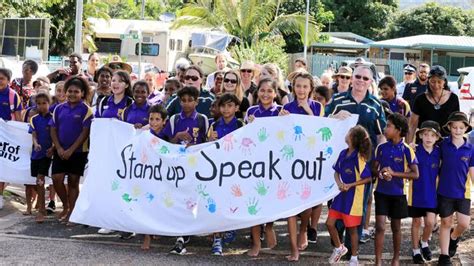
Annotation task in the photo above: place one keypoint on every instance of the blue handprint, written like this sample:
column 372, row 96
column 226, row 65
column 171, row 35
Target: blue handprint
column 149, row 196
column 211, row 205
column 326, row 189
column 328, row 152
column 298, row 132
column 182, row 150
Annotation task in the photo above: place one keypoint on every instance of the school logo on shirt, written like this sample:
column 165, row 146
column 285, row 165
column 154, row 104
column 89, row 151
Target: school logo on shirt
column 398, row 159
column 434, row 165
column 119, row 112
column 77, row 116
column 348, row 171
column 465, row 158
column 413, row 89
column 5, row 103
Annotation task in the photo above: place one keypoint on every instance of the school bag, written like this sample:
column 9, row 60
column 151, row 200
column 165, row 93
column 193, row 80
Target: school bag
column 202, row 122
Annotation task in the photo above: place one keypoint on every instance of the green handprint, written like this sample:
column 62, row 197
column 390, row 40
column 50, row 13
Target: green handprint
column 261, row 189
column 262, row 134
column 201, row 190
column 326, row 133
column 126, row 198
column 169, row 202
column 164, row 150
column 115, row 185
column 287, row 152
column 252, row 206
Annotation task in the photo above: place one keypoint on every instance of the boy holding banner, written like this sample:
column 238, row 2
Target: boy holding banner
column 10, row 107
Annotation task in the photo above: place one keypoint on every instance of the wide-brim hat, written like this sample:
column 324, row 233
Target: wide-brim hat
column 343, row 71
column 458, row 117
column 250, row 65
column 120, row 66
column 429, row 125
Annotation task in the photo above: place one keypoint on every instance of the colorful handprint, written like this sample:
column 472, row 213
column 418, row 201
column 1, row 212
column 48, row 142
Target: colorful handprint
column 115, row 185
column 144, row 157
column 287, row 152
column 328, row 152
column 252, row 206
column 282, row 192
column 136, row 191
column 298, row 132
column 149, row 196
column 191, row 204
column 262, row 134
column 211, row 205
column 164, row 150
column 126, row 197
column 168, row 200
column 228, row 142
column 236, row 191
column 280, row 135
column 201, row 190
column 325, row 133
column 261, row 189
column 192, row 160
column 326, row 189
column 311, row 142
column 154, row 141
column 246, row 146
column 305, row 191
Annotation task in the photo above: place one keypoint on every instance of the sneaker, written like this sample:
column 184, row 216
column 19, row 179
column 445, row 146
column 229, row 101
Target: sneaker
column 105, row 231
column 365, row 237
column 51, row 207
column 127, row 235
column 186, row 239
column 312, row 235
column 179, row 247
column 229, row 237
column 337, row 254
column 418, row 259
column 426, row 252
column 453, row 245
column 217, row 247
column 354, row 262
column 372, row 232
column 444, row 260
column 1, row 202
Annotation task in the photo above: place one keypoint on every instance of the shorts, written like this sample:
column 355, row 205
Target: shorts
column 395, row 207
column 416, row 212
column 348, row 220
column 75, row 165
column 447, row 206
column 40, row 167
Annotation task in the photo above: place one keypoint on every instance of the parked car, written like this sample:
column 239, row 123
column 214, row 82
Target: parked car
column 466, row 83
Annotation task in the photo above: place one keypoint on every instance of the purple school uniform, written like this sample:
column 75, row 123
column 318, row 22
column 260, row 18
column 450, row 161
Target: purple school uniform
column 181, row 122
column 41, row 125
column 223, row 129
column 422, row 193
column 260, row 111
column 135, row 114
column 315, row 106
column 111, row 109
column 398, row 157
column 69, row 122
column 399, row 105
column 6, row 109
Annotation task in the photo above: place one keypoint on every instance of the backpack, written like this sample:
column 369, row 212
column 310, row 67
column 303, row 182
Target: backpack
column 202, row 122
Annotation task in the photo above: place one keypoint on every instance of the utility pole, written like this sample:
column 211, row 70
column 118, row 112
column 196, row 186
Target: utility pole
column 140, row 36
column 306, row 30
column 78, row 28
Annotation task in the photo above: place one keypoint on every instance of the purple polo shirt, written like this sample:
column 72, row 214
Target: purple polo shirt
column 351, row 168
column 112, row 110
column 69, row 122
column 191, row 123
column 454, row 181
column 315, row 106
column 6, row 109
column 398, row 157
column 223, row 129
column 260, row 111
column 40, row 125
column 399, row 105
column 422, row 192
column 155, row 97
column 136, row 115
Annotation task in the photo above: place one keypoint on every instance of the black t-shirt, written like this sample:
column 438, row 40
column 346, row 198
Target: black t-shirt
column 244, row 105
column 412, row 90
column 251, row 90
column 425, row 109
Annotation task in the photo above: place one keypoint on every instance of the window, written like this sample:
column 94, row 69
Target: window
column 148, row 49
column 106, row 45
column 397, row 56
column 456, row 62
column 180, row 45
column 172, row 44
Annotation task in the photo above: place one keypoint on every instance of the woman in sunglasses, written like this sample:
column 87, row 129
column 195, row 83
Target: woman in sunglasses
column 232, row 84
column 342, row 80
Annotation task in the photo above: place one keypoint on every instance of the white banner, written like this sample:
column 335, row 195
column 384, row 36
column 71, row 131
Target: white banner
column 272, row 168
column 15, row 153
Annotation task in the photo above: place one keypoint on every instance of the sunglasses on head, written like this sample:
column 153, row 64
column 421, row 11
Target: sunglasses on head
column 233, row 81
column 246, row 70
column 193, row 78
column 360, row 77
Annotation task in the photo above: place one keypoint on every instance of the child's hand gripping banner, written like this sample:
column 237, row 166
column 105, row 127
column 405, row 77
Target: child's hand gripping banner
column 273, row 168
column 15, row 153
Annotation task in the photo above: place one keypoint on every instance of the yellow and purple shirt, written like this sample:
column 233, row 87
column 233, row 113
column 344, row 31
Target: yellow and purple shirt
column 40, row 125
column 422, row 191
column 134, row 114
column 7, row 108
column 294, row 108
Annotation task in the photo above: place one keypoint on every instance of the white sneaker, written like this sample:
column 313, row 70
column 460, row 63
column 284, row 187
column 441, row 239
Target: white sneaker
column 354, row 262
column 104, row 231
column 1, row 202
column 337, row 254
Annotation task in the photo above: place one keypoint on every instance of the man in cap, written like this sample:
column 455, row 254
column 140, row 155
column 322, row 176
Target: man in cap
column 419, row 86
column 409, row 76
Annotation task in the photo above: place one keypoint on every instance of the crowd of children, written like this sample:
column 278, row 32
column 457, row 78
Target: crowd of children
column 437, row 171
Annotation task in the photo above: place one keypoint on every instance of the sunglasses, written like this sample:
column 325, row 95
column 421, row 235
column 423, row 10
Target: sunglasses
column 246, row 70
column 344, row 77
column 409, row 73
column 233, row 81
column 193, row 78
column 360, row 77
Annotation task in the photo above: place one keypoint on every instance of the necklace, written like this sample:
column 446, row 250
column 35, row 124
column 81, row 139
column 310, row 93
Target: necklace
column 437, row 106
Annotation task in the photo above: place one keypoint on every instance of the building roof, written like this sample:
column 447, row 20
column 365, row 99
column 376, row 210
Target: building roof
column 115, row 27
column 349, row 36
column 335, row 42
column 427, row 41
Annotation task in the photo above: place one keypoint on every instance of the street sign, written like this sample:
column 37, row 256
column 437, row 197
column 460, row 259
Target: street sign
column 133, row 36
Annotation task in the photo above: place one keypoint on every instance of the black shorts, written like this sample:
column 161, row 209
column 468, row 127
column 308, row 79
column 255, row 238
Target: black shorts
column 75, row 165
column 395, row 207
column 40, row 167
column 416, row 212
column 447, row 206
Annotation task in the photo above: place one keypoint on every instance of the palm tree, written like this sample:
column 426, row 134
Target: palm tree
column 250, row 20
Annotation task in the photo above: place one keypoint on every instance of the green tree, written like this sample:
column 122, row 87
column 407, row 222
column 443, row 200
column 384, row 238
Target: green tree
column 364, row 17
column 431, row 18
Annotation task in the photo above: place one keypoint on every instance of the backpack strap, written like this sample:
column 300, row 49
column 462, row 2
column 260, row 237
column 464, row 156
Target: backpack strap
column 102, row 104
column 203, row 123
column 173, row 122
column 11, row 100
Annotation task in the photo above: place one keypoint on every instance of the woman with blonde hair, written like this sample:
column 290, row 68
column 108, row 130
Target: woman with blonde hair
column 233, row 84
column 272, row 71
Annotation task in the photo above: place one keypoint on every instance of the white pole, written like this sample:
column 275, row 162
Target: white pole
column 306, row 29
column 140, row 42
column 78, row 27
